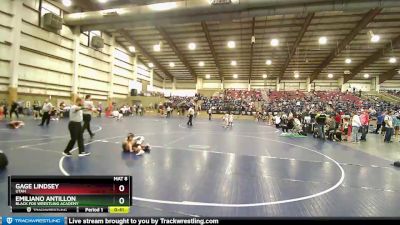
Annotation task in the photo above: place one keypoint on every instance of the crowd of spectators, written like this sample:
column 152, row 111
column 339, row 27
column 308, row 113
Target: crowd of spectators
column 331, row 115
column 393, row 92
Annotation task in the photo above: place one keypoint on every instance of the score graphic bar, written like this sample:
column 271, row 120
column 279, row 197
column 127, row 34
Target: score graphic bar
column 69, row 194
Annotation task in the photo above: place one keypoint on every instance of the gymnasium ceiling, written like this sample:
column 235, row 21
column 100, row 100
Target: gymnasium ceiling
column 296, row 24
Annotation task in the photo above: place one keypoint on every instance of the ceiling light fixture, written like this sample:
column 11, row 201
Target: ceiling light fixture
column 208, row 76
column 103, row 1
column 366, row 75
column 231, row 44
column 264, row 76
column 348, row 60
column 233, row 63
column 392, row 60
column 151, row 65
column 274, row 42
column 296, row 74
column 157, row 48
column 373, row 37
column 192, row 46
column 330, row 75
column 163, row 6
column 201, row 63
column 171, row 64
column 235, row 76
column 67, row 3
column 132, row 49
column 268, row 62
column 322, row 40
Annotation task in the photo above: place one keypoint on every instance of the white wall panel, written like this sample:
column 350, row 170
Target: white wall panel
column 37, row 91
column 141, row 77
column 212, row 85
column 158, row 83
column 45, row 76
column 5, row 6
column 120, row 89
column 98, row 54
column 83, row 39
column 124, row 65
column 92, row 84
column 121, row 55
column 93, row 63
column 30, row 15
column 83, row 91
column 121, row 81
column 66, row 32
column 4, row 69
column 23, row 83
column 5, row 52
column 48, row 75
column 32, row 3
column 3, row 87
column 185, row 85
column 5, row 19
column 239, row 84
column 123, row 72
column 40, row 45
column 5, row 34
column 93, row 74
column 4, row 81
column 43, row 34
column 391, row 85
column 42, row 61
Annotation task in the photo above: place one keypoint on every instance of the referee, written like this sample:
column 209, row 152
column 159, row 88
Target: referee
column 75, row 129
column 47, row 107
column 190, row 115
column 87, row 115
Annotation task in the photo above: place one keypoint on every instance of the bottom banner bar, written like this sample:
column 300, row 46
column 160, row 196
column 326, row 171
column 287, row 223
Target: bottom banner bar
column 20, row 220
column 214, row 221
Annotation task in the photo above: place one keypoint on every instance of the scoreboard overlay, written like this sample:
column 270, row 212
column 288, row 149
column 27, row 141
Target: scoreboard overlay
column 89, row 194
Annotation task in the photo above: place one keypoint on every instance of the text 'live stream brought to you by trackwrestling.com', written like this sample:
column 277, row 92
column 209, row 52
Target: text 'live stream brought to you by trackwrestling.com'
column 141, row 221
column 17, row 220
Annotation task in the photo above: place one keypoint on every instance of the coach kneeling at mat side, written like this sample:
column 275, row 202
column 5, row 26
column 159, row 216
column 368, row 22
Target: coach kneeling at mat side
column 75, row 129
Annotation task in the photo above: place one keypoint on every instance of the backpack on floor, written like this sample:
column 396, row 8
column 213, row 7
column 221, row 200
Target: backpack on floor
column 3, row 160
column 396, row 164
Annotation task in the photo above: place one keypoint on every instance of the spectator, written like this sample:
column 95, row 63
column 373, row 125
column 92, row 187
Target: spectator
column 355, row 124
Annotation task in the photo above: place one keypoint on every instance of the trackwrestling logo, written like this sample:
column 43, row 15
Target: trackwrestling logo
column 33, row 220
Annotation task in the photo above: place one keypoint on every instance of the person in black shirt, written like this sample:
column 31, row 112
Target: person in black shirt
column 5, row 110
column 13, row 109
column 321, row 121
column 36, row 109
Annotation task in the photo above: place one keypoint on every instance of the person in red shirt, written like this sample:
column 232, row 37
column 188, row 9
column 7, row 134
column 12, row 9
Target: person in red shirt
column 364, row 125
column 338, row 120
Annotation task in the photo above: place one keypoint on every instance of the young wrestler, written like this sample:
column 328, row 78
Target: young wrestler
column 135, row 145
column 225, row 119
column 230, row 119
column 15, row 124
